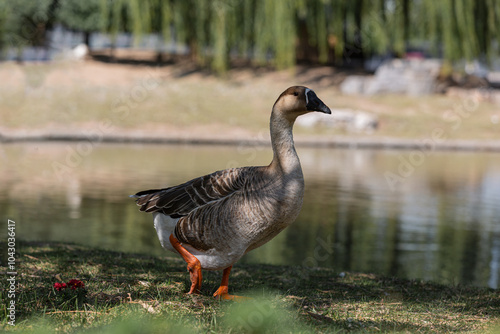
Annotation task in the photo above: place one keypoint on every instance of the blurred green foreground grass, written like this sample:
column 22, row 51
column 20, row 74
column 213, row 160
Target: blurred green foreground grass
column 131, row 293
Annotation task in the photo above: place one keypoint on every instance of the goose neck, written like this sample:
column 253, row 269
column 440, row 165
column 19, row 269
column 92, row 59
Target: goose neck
column 284, row 155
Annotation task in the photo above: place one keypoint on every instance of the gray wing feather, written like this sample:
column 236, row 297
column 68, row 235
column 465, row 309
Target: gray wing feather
column 180, row 200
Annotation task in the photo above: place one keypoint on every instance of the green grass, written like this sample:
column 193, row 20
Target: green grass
column 130, row 293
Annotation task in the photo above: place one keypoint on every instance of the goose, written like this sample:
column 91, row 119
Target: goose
column 213, row 220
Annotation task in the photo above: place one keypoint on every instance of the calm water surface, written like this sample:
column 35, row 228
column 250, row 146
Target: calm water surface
column 398, row 213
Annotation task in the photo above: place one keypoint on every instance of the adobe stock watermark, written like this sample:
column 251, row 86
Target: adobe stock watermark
column 322, row 251
column 260, row 312
column 250, row 149
column 256, row 317
column 11, row 272
column 30, row 34
column 410, row 161
column 120, row 109
column 376, row 21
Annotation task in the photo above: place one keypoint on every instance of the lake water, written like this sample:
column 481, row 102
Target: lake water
column 430, row 216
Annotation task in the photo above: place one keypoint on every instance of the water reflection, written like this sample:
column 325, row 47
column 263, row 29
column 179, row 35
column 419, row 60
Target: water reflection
column 440, row 222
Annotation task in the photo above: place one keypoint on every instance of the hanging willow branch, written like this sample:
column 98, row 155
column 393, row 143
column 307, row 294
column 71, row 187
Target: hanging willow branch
column 274, row 32
column 266, row 31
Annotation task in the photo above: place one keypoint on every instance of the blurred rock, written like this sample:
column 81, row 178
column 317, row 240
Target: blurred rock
column 409, row 76
column 493, row 79
column 78, row 53
column 346, row 119
column 353, row 85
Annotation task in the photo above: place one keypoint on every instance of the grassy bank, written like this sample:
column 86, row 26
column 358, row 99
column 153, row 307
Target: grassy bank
column 128, row 293
column 177, row 101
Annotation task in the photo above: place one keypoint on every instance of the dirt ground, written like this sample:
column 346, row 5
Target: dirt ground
column 138, row 100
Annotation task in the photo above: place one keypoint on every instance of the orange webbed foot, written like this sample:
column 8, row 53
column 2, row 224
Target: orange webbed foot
column 222, row 292
column 194, row 269
column 227, row 296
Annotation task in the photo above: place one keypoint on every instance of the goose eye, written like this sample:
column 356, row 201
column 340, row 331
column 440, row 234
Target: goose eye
column 295, row 93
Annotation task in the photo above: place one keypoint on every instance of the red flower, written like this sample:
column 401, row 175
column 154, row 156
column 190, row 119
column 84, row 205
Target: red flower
column 74, row 284
column 60, row 286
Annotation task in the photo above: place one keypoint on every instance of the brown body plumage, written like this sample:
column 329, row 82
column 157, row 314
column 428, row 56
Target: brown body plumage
column 221, row 216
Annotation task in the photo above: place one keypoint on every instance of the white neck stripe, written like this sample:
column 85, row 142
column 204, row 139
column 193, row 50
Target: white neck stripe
column 307, row 99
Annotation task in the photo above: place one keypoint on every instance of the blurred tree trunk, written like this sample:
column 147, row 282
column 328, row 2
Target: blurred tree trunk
column 305, row 52
column 86, row 38
column 358, row 36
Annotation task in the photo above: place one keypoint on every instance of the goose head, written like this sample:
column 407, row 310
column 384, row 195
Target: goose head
column 298, row 100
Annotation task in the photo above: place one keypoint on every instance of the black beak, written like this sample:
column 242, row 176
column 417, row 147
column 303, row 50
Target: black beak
column 315, row 104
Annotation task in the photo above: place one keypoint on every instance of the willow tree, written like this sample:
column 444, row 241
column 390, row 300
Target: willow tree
column 24, row 23
column 115, row 18
column 3, row 28
column 276, row 32
column 153, row 16
column 81, row 16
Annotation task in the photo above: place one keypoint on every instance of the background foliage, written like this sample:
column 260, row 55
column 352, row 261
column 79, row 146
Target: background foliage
column 277, row 33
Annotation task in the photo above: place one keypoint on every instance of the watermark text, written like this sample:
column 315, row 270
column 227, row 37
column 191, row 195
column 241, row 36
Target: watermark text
column 11, row 273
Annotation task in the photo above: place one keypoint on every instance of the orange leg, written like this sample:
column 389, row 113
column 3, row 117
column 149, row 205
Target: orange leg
column 223, row 291
column 193, row 265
